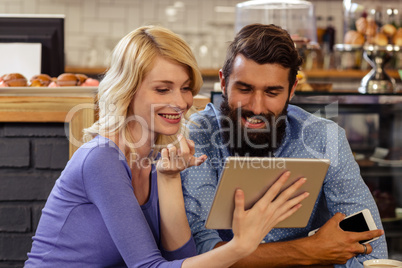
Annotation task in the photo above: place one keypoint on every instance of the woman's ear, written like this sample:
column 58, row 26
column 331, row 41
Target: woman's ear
column 223, row 82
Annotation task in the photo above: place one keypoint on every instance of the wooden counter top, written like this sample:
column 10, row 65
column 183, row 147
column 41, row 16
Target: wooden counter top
column 75, row 107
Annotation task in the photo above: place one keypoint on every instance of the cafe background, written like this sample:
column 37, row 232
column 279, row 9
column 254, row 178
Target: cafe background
column 34, row 152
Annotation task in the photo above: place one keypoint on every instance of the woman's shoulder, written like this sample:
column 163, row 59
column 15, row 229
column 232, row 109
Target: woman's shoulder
column 99, row 150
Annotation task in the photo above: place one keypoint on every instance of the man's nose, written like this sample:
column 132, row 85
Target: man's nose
column 256, row 104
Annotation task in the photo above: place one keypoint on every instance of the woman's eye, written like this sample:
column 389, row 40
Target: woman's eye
column 162, row 90
column 186, row 89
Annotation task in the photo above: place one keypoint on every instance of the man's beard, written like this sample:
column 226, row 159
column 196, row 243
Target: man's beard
column 243, row 141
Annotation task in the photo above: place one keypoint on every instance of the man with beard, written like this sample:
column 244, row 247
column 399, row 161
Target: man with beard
column 258, row 79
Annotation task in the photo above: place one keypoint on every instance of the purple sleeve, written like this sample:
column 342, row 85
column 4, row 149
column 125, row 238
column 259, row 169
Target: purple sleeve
column 107, row 181
column 185, row 251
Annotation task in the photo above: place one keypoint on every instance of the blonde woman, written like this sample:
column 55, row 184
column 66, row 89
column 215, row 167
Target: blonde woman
column 118, row 202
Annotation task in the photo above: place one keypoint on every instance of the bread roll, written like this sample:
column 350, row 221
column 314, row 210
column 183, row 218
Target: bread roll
column 90, row 82
column 380, row 39
column 67, row 80
column 81, row 78
column 40, row 80
column 361, row 25
column 397, row 39
column 389, row 30
column 15, row 80
column 371, row 27
column 354, row 38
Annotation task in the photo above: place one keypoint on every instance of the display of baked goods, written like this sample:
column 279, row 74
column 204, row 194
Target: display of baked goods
column 44, row 80
column 369, row 32
column 40, row 80
column 13, row 80
column 354, row 38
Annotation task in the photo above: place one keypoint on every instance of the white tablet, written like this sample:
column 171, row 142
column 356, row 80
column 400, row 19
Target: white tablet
column 254, row 175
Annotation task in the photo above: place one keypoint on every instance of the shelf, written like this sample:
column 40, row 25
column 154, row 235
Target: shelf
column 72, row 105
column 85, row 70
column 101, row 70
column 346, row 74
column 210, row 72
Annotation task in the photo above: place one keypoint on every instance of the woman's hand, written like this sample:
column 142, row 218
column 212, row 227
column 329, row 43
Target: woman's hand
column 174, row 160
column 175, row 231
column 251, row 226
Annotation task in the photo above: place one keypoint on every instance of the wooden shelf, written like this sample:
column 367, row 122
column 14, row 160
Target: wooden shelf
column 85, row 70
column 102, row 70
column 346, row 74
column 318, row 73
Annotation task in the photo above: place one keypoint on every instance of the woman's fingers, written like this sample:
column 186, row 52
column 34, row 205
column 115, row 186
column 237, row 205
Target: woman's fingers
column 239, row 203
column 289, row 212
column 191, row 146
column 290, row 191
column 187, row 151
column 184, row 147
column 196, row 161
column 275, row 188
column 282, row 205
column 172, row 153
column 285, row 205
column 163, row 163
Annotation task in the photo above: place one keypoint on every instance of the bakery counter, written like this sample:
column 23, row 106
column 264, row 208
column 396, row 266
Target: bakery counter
column 73, row 106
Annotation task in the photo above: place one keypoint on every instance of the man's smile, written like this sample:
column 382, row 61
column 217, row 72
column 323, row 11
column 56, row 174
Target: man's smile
column 253, row 122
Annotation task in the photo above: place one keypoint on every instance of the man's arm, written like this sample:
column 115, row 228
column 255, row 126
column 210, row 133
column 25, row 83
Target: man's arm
column 330, row 245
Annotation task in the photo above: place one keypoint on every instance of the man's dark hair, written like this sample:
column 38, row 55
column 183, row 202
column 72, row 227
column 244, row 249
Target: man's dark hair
column 264, row 44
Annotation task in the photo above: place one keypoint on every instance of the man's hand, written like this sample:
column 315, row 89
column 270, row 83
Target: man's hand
column 332, row 245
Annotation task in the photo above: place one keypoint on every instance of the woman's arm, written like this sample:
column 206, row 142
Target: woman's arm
column 107, row 181
column 175, row 231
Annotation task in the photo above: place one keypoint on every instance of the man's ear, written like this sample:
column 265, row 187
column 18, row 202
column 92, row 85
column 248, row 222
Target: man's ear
column 292, row 91
column 223, row 82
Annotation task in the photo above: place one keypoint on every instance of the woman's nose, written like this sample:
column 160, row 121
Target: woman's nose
column 179, row 101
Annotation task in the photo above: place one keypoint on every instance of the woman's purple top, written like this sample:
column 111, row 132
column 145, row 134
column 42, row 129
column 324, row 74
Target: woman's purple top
column 92, row 218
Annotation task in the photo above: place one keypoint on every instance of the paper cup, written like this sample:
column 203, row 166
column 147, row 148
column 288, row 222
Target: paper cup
column 382, row 263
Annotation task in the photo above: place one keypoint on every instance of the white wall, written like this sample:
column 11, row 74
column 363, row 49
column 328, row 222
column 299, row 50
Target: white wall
column 93, row 27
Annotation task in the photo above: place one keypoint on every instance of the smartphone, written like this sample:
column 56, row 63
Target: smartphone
column 358, row 222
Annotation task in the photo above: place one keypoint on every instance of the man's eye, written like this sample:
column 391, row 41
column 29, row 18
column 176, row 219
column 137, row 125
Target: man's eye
column 272, row 93
column 244, row 90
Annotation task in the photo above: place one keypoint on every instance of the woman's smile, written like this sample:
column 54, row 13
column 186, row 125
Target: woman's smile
column 172, row 118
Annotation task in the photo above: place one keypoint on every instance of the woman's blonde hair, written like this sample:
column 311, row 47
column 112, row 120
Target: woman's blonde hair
column 132, row 59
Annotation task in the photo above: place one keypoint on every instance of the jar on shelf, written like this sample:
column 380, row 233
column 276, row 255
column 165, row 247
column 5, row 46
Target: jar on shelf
column 295, row 16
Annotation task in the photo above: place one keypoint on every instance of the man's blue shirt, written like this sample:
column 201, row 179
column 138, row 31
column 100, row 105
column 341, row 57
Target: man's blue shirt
column 307, row 136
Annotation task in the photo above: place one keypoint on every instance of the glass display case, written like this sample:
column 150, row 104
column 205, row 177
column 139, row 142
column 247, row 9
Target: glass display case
column 373, row 126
